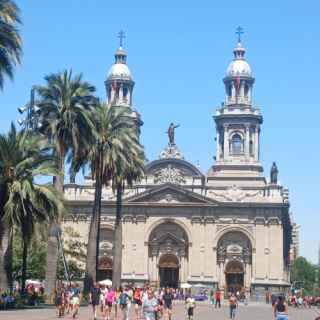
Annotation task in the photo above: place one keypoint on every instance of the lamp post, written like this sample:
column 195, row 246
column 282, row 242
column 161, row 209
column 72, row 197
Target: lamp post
column 56, row 232
column 31, row 109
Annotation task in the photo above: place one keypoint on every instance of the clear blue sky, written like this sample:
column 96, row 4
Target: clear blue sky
column 178, row 52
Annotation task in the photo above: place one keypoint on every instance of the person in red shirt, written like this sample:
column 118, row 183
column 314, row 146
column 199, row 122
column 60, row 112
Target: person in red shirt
column 218, row 298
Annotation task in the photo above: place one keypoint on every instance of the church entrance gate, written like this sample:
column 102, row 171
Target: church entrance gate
column 169, row 271
column 234, row 277
column 168, row 254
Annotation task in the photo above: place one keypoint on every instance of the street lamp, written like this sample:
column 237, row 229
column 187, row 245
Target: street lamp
column 57, row 232
column 31, row 109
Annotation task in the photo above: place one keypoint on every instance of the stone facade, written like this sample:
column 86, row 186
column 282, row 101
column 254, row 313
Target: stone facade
column 228, row 228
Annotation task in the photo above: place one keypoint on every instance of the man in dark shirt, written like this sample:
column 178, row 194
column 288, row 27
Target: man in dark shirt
column 94, row 297
column 167, row 302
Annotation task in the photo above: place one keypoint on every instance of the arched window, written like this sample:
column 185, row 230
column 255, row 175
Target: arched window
column 236, row 144
column 229, row 90
column 246, row 90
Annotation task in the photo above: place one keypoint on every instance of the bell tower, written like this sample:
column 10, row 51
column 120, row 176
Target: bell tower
column 238, row 121
column 119, row 83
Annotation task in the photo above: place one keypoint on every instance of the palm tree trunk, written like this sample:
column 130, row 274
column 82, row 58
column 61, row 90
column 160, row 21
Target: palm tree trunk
column 53, row 246
column 24, row 262
column 4, row 245
column 93, row 238
column 117, row 242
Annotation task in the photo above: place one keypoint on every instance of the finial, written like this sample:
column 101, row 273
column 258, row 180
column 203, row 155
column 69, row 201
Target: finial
column 239, row 32
column 121, row 36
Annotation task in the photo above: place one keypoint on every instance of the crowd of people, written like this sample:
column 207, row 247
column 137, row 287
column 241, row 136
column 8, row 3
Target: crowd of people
column 32, row 295
column 107, row 302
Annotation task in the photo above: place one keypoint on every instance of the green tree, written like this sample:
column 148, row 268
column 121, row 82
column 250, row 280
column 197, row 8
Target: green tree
column 23, row 158
column 75, row 250
column 303, row 273
column 36, row 257
column 10, row 41
column 115, row 138
column 65, row 102
column 125, row 173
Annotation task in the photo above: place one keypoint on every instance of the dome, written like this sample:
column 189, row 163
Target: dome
column 238, row 67
column 119, row 71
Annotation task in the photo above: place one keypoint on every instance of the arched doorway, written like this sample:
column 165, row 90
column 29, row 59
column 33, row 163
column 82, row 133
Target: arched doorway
column 234, row 258
column 169, row 271
column 105, row 253
column 105, row 268
column 234, row 276
column 168, row 255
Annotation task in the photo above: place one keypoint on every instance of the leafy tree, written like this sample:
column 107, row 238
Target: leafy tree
column 65, row 103
column 115, row 137
column 10, row 41
column 23, row 157
column 75, row 251
column 304, row 273
column 36, row 257
column 125, row 173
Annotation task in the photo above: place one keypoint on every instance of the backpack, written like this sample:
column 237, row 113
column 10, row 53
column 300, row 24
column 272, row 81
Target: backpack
column 123, row 299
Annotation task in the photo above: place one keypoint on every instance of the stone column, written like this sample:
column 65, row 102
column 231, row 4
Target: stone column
column 226, row 142
column 129, row 96
column 221, row 280
column 256, row 143
column 121, row 93
column 247, row 142
column 248, row 275
column 218, row 144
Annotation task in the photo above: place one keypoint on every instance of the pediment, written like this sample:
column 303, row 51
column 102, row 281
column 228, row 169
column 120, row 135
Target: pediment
column 170, row 194
column 168, row 238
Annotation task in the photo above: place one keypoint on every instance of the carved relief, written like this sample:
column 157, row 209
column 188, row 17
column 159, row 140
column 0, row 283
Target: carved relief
column 168, row 238
column 234, row 245
column 235, row 194
column 169, row 174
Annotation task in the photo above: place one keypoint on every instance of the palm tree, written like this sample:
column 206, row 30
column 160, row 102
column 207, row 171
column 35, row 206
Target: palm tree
column 64, row 109
column 124, row 175
column 23, row 157
column 10, row 41
column 115, row 135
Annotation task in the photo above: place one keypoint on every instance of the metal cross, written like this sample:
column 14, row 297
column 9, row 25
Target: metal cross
column 239, row 32
column 121, row 36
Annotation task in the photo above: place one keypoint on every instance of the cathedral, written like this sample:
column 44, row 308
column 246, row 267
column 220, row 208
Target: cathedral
column 227, row 228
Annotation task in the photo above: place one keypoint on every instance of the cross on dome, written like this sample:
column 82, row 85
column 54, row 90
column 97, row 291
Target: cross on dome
column 239, row 32
column 121, row 36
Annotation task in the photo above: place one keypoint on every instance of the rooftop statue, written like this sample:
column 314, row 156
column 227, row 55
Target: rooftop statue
column 274, row 174
column 170, row 132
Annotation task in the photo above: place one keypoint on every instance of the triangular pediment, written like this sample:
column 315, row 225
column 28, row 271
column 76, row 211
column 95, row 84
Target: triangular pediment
column 168, row 237
column 170, row 194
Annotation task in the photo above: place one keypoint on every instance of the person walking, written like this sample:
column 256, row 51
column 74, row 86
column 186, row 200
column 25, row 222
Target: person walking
column 137, row 302
column 94, row 298
column 233, row 305
column 167, row 299
column 75, row 300
column 217, row 298
column 280, row 309
column 150, row 306
column 190, row 305
column 117, row 302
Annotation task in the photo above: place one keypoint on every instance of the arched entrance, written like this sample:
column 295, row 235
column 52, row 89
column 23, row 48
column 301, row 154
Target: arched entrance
column 105, row 268
column 168, row 255
column 169, row 271
column 234, row 258
column 234, row 276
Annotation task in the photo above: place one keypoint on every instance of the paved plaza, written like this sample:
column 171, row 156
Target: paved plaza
column 203, row 312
